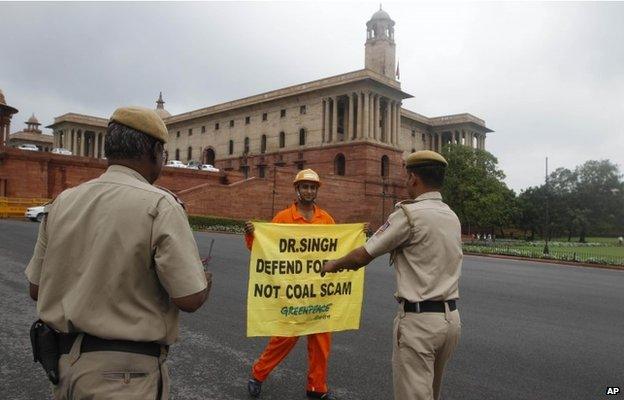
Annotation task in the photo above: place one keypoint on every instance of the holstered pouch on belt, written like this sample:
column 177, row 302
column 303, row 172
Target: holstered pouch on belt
column 45, row 348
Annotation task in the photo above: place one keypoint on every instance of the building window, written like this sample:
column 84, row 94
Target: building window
column 246, row 148
column 282, row 113
column 261, row 171
column 203, row 128
column 413, row 132
column 413, row 149
column 231, row 123
column 178, row 134
column 385, row 165
column 247, row 120
column 423, row 138
column 190, row 131
column 263, row 144
column 339, row 164
column 302, row 110
column 302, row 137
column 282, row 140
column 189, row 154
column 231, row 147
column 177, row 154
column 299, row 165
column 216, row 126
column 264, row 116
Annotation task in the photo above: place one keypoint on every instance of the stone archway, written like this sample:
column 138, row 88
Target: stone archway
column 209, row 156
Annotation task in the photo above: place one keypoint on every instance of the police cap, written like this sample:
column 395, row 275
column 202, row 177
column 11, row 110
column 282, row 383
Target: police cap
column 143, row 120
column 424, row 158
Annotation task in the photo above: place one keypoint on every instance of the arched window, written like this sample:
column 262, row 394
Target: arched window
column 339, row 164
column 231, row 151
column 246, row 148
column 263, row 143
column 209, row 156
column 385, row 164
column 282, row 140
column 302, row 137
column 177, row 154
column 189, row 154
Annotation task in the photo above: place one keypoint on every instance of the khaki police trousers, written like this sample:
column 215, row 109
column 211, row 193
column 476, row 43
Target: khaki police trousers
column 108, row 375
column 423, row 344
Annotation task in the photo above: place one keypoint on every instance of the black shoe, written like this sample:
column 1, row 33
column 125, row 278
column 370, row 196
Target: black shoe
column 254, row 387
column 321, row 395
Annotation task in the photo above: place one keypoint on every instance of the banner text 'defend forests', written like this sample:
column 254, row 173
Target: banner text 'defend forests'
column 287, row 295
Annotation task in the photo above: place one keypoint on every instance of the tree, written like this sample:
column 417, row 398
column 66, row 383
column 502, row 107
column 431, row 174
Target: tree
column 475, row 190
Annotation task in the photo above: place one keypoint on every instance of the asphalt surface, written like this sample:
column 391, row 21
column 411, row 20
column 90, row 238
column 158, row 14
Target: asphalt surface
column 530, row 331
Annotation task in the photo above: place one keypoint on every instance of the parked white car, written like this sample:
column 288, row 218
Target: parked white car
column 175, row 164
column 29, row 147
column 208, row 167
column 60, row 150
column 35, row 213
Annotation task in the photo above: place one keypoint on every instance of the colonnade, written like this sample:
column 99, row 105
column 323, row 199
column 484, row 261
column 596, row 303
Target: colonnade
column 365, row 115
column 80, row 142
column 436, row 140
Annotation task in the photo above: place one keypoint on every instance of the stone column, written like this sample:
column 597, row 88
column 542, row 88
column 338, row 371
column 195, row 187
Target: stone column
column 388, row 123
column 351, row 117
column 96, row 152
column 334, row 131
column 104, row 143
column 360, row 120
column 365, row 116
column 378, row 122
column 83, row 144
column 376, row 117
column 74, row 142
column 326, row 112
column 398, row 132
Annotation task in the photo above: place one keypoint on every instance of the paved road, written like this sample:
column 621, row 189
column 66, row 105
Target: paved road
column 530, row 331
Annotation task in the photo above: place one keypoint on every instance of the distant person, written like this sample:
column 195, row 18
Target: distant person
column 303, row 211
column 423, row 236
column 621, row 241
column 114, row 262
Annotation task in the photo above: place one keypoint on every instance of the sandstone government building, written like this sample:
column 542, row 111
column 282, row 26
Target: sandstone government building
column 351, row 128
column 348, row 124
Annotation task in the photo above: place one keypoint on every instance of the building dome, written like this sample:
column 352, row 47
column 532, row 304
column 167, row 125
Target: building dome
column 2, row 99
column 160, row 108
column 381, row 14
column 33, row 120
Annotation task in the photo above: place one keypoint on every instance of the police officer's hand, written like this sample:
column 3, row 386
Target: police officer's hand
column 330, row 267
column 249, row 228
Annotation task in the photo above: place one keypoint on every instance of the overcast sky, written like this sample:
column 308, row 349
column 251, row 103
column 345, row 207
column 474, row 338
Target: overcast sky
column 548, row 78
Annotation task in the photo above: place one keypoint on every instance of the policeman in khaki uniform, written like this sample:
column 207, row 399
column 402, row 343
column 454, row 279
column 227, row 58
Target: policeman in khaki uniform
column 423, row 236
column 114, row 262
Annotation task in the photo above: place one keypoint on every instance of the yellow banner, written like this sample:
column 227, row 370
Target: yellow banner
column 286, row 294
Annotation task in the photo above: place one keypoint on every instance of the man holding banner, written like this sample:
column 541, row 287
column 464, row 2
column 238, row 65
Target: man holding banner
column 303, row 211
column 424, row 238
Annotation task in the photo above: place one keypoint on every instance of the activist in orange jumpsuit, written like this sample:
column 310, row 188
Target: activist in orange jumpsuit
column 303, row 211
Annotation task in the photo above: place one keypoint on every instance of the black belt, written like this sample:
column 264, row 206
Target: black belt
column 93, row 343
column 428, row 306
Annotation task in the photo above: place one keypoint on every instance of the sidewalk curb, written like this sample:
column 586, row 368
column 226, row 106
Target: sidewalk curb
column 547, row 261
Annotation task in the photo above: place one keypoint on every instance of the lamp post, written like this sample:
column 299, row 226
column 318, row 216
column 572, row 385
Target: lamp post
column 546, row 249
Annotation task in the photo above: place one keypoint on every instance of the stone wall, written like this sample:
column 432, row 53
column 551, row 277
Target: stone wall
column 349, row 199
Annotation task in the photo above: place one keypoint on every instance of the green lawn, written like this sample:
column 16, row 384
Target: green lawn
column 597, row 250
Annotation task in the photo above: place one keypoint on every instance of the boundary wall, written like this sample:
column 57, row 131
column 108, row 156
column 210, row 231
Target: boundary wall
column 36, row 176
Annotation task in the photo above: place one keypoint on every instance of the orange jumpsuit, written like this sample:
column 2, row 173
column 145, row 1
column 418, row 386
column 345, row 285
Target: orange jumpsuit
column 278, row 347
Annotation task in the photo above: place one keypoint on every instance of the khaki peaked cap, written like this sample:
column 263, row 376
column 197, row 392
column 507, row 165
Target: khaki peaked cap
column 142, row 119
column 424, row 157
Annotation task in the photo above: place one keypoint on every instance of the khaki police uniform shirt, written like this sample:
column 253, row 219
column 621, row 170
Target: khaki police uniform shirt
column 109, row 257
column 427, row 252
